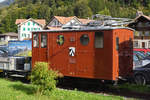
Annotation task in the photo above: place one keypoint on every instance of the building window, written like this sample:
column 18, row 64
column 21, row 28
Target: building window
column 147, row 23
column 141, row 33
column 55, row 23
column 33, row 23
column 99, row 39
column 28, row 35
column 60, row 39
column 28, row 29
column 2, row 38
column 43, row 40
column 35, row 29
column 143, row 44
column 148, row 44
column 24, row 29
column 135, row 44
column 84, row 39
column 28, row 23
column 25, row 35
column 35, row 40
column 31, row 29
column 140, row 24
column 147, row 33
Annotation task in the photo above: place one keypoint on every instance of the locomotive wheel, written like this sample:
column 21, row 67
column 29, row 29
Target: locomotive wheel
column 140, row 79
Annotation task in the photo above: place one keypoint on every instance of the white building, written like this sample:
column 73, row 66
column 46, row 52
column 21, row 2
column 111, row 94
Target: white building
column 26, row 26
column 4, row 38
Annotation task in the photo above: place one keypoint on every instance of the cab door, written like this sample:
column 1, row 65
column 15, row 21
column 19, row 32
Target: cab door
column 39, row 47
column 84, row 54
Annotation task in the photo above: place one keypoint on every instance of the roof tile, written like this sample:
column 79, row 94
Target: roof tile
column 63, row 20
column 40, row 21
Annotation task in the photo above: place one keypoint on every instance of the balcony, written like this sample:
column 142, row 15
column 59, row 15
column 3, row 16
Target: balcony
column 141, row 37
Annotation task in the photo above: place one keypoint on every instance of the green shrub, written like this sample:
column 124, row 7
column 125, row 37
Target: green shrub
column 43, row 77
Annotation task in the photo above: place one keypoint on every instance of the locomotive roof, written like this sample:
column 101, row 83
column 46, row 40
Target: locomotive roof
column 85, row 29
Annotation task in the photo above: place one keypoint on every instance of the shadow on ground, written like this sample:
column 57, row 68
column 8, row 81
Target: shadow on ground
column 24, row 88
column 99, row 87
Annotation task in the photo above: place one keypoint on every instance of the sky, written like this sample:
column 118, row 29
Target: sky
column 2, row 0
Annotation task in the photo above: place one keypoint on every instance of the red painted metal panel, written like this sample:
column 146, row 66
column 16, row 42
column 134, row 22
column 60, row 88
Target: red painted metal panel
column 60, row 56
column 103, row 58
column 122, row 58
column 85, row 56
column 35, row 52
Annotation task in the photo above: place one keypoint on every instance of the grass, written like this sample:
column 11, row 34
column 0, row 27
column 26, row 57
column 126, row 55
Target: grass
column 18, row 91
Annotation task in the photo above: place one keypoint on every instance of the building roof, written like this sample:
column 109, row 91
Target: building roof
column 84, row 21
column 53, row 28
column 138, row 18
column 144, row 16
column 63, row 20
column 9, row 34
column 39, row 21
column 18, row 21
column 85, row 29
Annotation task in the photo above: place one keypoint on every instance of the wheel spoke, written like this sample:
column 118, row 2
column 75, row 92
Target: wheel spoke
column 140, row 79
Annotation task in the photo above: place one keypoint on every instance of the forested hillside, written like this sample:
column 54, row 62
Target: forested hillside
column 81, row 8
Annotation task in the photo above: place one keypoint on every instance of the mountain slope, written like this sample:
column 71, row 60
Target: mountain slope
column 6, row 3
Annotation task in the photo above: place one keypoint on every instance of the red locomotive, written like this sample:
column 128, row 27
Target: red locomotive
column 102, row 53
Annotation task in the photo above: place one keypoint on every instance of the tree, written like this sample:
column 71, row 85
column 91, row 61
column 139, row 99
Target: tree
column 44, row 12
column 96, row 5
column 82, row 9
column 105, row 12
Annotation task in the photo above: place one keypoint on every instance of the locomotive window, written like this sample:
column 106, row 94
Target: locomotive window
column 43, row 40
column 99, row 39
column 35, row 40
column 60, row 40
column 130, row 43
column 117, row 43
column 84, row 39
